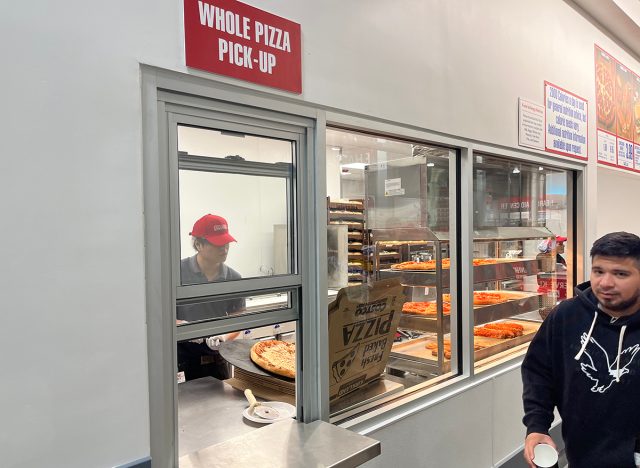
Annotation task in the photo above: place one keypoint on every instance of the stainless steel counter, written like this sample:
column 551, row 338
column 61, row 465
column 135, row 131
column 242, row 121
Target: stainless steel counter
column 288, row 444
column 213, row 433
column 210, row 412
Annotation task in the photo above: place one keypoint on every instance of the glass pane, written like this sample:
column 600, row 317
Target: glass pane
column 235, row 222
column 389, row 219
column 212, row 375
column 520, row 223
column 222, row 144
column 198, row 310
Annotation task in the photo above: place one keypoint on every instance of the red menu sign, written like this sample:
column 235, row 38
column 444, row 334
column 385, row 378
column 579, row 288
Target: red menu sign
column 618, row 112
column 234, row 39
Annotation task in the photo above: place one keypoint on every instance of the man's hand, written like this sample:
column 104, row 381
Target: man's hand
column 531, row 441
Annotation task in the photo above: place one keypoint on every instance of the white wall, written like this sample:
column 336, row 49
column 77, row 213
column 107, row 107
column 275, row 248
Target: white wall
column 466, row 431
column 73, row 338
column 252, row 206
column 618, row 194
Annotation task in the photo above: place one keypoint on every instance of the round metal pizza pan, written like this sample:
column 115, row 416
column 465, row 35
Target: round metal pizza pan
column 238, row 353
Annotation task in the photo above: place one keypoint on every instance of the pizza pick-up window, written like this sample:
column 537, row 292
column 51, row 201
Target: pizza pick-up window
column 236, row 274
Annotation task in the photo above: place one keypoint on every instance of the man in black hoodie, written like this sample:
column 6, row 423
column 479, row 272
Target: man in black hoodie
column 585, row 361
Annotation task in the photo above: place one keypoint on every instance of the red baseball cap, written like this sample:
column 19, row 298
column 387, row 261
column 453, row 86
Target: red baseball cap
column 214, row 229
column 561, row 239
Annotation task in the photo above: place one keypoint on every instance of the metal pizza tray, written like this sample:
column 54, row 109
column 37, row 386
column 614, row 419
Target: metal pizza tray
column 238, row 353
column 414, row 350
column 519, row 303
column 505, row 268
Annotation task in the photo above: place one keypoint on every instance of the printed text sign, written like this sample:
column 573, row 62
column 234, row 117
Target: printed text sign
column 234, row 39
column 565, row 122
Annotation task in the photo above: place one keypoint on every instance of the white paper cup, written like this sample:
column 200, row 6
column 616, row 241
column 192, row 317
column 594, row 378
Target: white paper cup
column 544, row 455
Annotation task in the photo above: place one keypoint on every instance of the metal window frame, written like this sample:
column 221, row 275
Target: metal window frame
column 168, row 98
column 376, row 416
column 212, row 120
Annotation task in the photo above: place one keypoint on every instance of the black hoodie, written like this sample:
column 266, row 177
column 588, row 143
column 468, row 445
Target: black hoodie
column 588, row 366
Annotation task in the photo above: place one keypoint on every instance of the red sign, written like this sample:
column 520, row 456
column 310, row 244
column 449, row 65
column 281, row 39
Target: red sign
column 234, row 39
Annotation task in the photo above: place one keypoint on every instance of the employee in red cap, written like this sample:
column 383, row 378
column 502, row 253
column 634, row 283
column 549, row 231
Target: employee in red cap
column 210, row 238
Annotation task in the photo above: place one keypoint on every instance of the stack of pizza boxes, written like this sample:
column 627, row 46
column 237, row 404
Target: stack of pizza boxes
column 362, row 325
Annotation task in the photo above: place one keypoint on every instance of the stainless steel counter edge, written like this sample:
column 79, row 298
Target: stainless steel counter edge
column 289, row 444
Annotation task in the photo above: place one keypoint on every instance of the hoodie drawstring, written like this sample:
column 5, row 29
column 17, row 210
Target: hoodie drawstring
column 584, row 345
column 624, row 327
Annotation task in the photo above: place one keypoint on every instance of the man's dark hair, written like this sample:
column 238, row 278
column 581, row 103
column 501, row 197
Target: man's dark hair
column 617, row 244
column 198, row 242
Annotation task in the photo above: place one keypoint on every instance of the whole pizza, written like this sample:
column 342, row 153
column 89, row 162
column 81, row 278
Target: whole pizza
column 488, row 298
column 275, row 356
column 483, row 297
column 427, row 265
column 431, row 264
column 624, row 108
column 604, row 94
column 429, row 308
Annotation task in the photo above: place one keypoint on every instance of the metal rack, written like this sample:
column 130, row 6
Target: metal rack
column 498, row 273
column 434, row 243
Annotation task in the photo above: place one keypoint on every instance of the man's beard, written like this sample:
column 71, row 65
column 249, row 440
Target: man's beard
column 621, row 306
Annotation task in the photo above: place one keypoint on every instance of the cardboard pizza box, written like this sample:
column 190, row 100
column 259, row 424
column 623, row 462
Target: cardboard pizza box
column 362, row 325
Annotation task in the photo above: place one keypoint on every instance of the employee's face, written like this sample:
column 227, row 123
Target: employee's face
column 213, row 253
column 615, row 281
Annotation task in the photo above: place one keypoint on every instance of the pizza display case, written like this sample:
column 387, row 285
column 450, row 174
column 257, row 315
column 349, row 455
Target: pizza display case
column 507, row 271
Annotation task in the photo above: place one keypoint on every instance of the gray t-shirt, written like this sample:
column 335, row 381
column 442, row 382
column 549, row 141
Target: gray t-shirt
column 190, row 274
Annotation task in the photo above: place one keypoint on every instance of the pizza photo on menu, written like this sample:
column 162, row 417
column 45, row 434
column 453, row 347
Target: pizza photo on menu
column 624, row 93
column 636, row 111
column 275, row 356
column 605, row 105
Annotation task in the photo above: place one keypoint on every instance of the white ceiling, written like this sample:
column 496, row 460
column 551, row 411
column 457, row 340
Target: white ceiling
column 621, row 18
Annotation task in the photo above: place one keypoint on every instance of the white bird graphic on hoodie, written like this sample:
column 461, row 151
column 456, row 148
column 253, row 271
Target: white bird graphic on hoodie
column 599, row 369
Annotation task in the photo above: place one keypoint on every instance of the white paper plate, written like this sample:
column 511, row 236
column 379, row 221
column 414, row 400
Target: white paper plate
column 285, row 409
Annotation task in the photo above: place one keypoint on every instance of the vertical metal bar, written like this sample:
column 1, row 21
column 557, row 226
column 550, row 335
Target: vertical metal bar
column 454, row 255
column 160, row 330
column 439, row 317
column 466, row 254
column 573, row 242
column 314, row 387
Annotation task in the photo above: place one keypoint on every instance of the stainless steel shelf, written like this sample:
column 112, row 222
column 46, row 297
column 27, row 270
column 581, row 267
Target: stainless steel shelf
column 526, row 302
column 414, row 357
column 481, row 273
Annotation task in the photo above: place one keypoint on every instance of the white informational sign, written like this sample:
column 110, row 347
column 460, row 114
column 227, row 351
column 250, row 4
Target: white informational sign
column 606, row 148
column 393, row 187
column 565, row 122
column 625, row 153
column 637, row 157
column 530, row 124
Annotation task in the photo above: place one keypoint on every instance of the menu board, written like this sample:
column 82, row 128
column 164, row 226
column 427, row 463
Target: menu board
column 618, row 112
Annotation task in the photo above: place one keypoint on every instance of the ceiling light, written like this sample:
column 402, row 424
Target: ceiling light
column 516, row 170
column 540, row 168
column 430, row 164
column 336, row 148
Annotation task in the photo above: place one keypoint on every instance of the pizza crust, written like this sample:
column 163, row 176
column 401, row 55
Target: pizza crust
column 275, row 356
